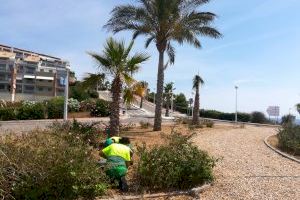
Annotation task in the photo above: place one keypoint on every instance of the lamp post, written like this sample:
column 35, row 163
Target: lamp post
column 236, row 99
column 66, row 82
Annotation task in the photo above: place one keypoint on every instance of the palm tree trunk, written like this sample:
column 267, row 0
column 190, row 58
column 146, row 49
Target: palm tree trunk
column 159, row 93
column 196, row 107
column 141, row 103
column 167, row 107
column 115, row 107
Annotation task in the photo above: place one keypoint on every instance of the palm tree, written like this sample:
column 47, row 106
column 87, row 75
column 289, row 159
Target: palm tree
column 298, row 107
column 115, row 60
column 168, row 95
column 93, row 81
column 141, row 91
column 197, row 82
column 163, row 22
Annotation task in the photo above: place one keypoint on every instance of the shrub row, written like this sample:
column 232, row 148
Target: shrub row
column 51, row 109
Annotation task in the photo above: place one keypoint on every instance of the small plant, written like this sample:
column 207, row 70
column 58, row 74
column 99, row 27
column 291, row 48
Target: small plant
column 145, row 125
column 242, row 125
column 199, row 126
column 289, row 138
column 127, row 127
column 178, row 164
column 191, row 127
column 210, row 124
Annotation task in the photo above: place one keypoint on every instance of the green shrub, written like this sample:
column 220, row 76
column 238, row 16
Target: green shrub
column 31, row 110
column 145, row 125
column 258, row 117
column 87, row 105
column 7, row 114
column 101, row 109
column 288, row 119
column 90, row 133
column 209, row 123
column 47, row 165
column 55, row 108
column 93, row 94
column 177, row 164
column 289, row 138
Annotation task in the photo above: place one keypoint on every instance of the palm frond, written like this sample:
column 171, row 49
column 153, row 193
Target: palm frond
column 92, row 80
column 197, row 82
column 171, row 53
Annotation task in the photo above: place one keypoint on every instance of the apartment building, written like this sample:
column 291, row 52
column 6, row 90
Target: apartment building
column 28, row 75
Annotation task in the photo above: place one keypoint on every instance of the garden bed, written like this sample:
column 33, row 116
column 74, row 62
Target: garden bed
column 274, row 142
column 87, row 137
column 138, row 136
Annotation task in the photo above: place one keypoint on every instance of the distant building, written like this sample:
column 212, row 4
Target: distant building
column 29, row 75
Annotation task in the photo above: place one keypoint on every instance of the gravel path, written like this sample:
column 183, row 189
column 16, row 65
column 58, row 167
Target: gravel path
column 248, row 169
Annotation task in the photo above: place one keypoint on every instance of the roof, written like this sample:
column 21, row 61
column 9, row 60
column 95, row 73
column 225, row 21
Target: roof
column 31, row 52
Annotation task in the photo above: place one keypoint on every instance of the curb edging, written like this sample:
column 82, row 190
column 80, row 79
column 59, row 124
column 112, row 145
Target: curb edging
column 192, row 192
column 278, row 151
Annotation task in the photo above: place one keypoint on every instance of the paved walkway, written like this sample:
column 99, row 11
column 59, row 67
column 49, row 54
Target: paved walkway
column 248, row 169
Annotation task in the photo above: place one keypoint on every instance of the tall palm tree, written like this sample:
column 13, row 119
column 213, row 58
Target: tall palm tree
column 116, row 61
column 168, row 95
column 141, row 91
column 163, row 22
column 298, row 107
column 197, row 82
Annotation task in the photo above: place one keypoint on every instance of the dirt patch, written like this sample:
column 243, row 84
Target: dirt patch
column 79, row 115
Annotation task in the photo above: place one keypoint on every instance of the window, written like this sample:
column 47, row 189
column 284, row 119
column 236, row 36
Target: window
column 29, row 87
column 51, row 70
column 2, row 77
column 49, row 89
column 42, row 70
column 40, row 89
column 2, row 67
column 2, row 86
column 30, row 70
column 30, row 81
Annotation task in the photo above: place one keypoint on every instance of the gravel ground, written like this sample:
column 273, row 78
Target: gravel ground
column 248, row 169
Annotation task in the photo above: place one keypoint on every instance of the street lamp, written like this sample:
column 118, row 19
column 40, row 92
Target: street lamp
column 236, row 99
column 66, row 82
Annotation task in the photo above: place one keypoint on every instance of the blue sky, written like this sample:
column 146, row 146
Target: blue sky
column 260, row 50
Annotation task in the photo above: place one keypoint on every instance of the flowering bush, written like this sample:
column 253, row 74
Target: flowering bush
column 100, row 109
column 73, row 105
column 87, row 105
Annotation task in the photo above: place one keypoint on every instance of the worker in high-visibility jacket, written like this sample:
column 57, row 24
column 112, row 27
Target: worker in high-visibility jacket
column 119, row 140
column 118, row 160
